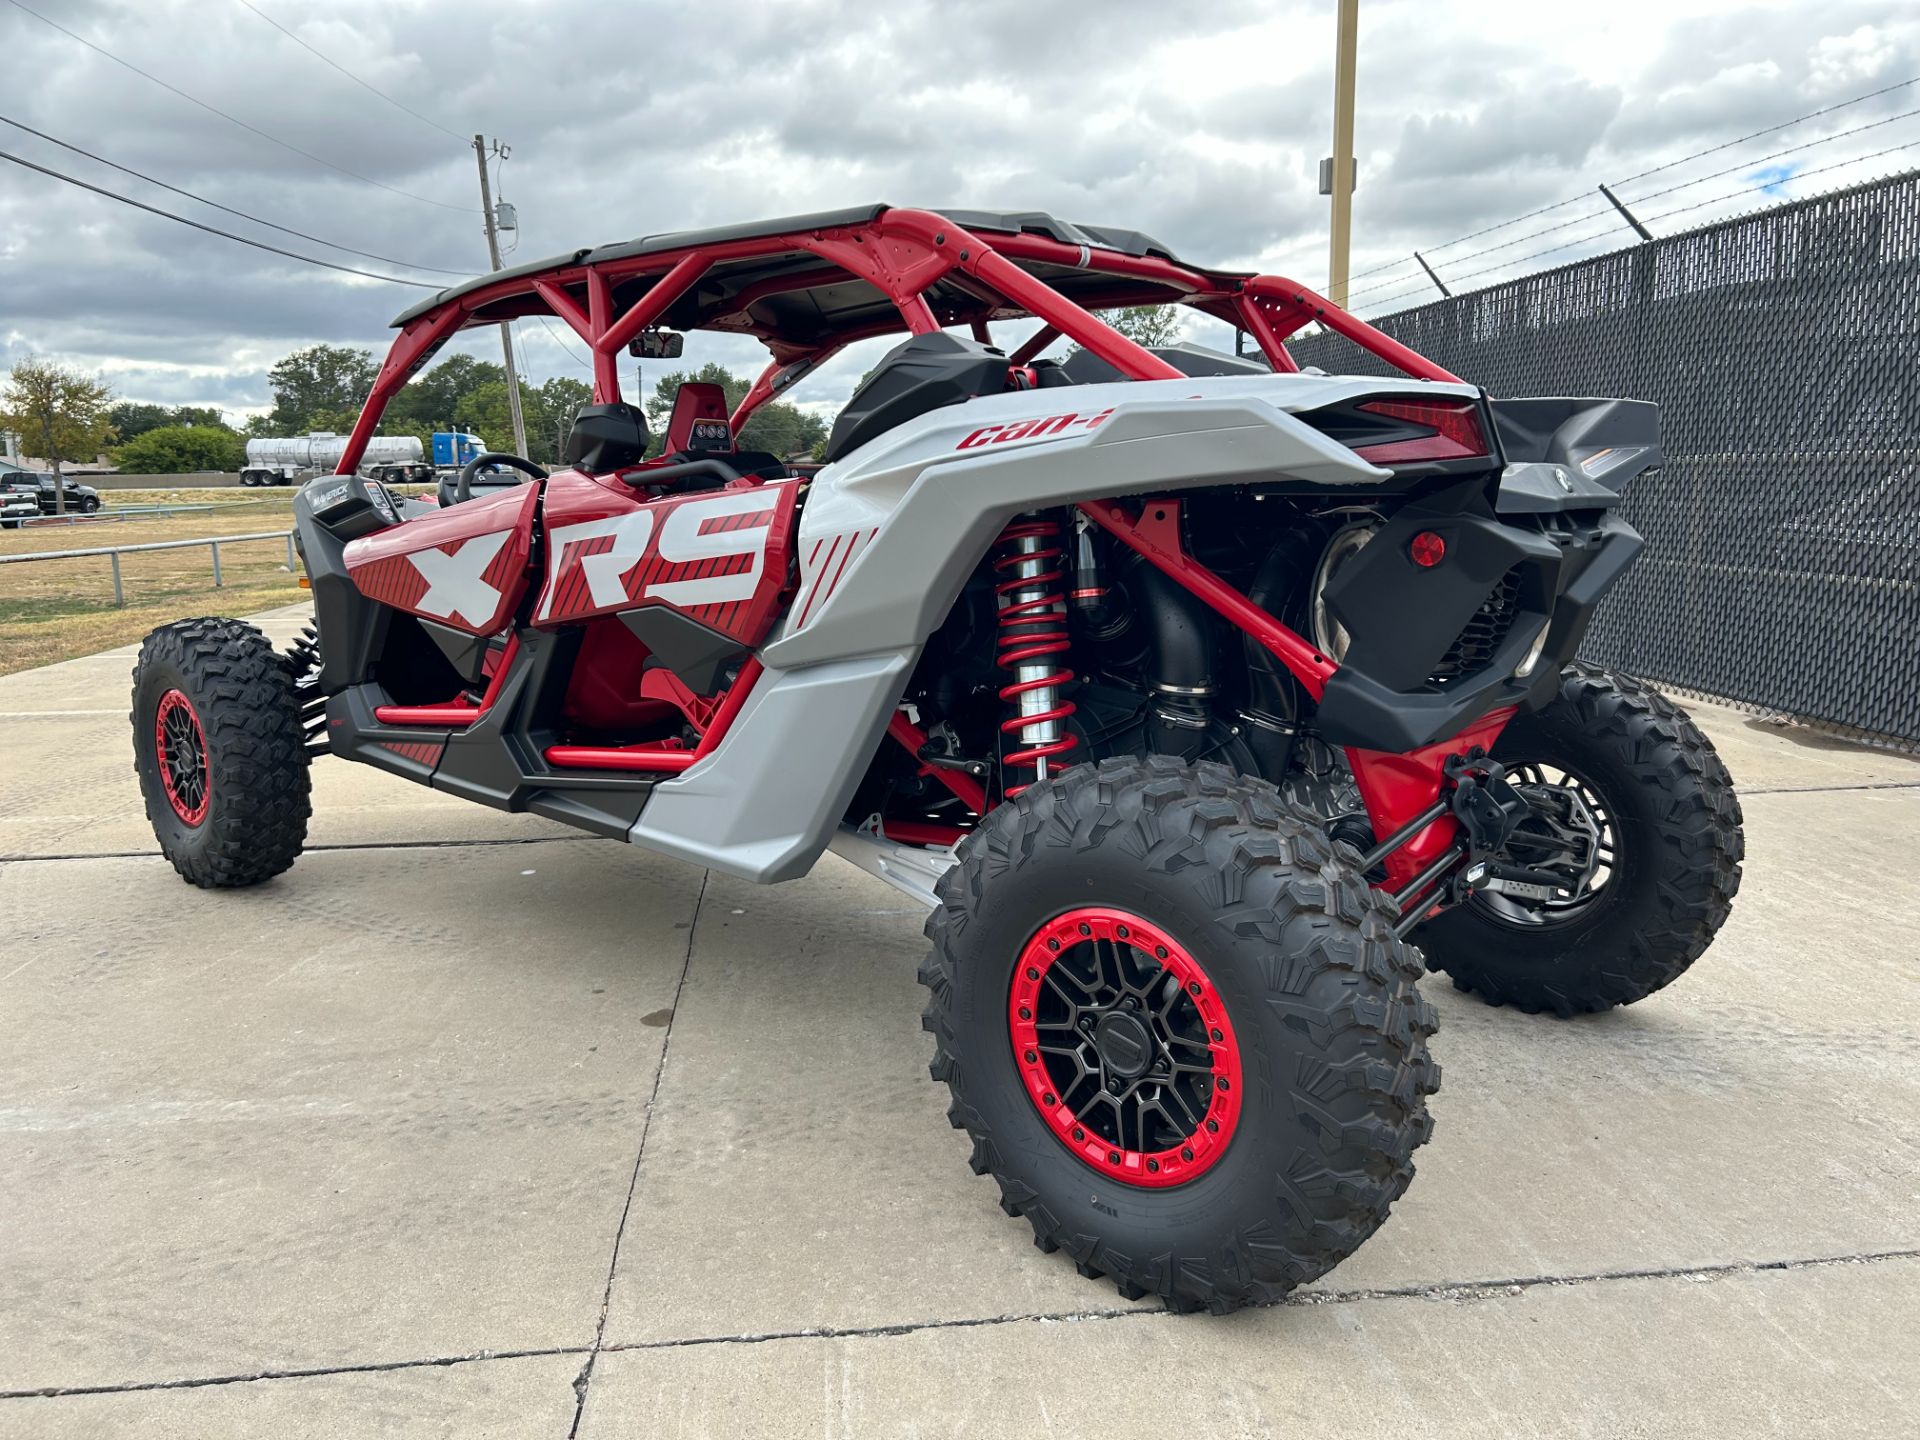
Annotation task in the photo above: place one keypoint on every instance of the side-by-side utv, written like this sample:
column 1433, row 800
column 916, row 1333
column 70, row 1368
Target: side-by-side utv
column 1190, row 691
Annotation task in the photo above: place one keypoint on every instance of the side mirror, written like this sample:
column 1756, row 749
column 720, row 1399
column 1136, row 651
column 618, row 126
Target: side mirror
column 657, row 345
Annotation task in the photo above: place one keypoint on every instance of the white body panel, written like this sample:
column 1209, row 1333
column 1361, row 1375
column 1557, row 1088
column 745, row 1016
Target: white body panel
column 887, row 540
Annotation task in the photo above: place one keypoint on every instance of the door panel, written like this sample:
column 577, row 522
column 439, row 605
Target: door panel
column 465, row 566
column 722, row 557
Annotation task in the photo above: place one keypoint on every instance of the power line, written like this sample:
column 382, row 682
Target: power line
column 1783, row 125
column 228, row 209
column 1770, row 184
column 1503, row 245
column 1447, row 244
column 349, row 74
column 212, row 230
column 1665, row 214
column 1672, row 164
column 1683, row 185
column 233, row 119
column 555, row 334
column 1790, row 150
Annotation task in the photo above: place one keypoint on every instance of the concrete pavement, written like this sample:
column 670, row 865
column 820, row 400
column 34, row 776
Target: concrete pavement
column 468, row 1127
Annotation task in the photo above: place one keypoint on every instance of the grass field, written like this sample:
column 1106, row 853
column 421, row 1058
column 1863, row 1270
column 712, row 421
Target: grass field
column 62, row 608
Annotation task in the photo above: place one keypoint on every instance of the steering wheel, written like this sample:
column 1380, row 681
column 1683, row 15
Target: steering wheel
column 463, row 487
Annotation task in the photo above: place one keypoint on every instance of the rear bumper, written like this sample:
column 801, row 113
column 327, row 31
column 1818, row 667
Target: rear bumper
column 1403, row 621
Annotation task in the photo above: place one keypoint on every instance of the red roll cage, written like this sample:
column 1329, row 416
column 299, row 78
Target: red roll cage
column 882, row 271
column 933, row 272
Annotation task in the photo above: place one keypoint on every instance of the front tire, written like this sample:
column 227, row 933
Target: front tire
column 1215, row 941
column 1668, row 805
column 218, row 747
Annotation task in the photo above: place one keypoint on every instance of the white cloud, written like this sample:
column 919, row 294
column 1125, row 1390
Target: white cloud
column 1201, row 123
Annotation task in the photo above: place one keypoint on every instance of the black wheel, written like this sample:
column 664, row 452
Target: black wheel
column 217, row 745
column 1636, row 812
column 1179, row 1029
column 89, row 504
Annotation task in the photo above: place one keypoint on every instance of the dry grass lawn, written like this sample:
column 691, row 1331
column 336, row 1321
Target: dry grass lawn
column 56, row 609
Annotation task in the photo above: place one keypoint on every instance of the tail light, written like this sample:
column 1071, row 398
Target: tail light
column 1453, row 428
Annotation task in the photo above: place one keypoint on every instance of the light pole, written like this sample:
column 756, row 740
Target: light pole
column 1340, row 182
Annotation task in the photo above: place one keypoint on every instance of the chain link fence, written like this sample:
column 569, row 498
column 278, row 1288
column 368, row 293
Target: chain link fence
column 1782, row 567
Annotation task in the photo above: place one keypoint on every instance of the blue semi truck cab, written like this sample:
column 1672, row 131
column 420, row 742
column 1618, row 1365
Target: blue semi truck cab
column 454, row 448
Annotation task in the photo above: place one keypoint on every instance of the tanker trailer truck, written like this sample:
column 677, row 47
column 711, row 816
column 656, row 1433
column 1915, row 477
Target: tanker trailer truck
column 396, row 459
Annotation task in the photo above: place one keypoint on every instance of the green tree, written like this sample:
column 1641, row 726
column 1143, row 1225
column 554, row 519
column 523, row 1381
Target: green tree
column 484, row 411
column 317, row 384
column 777, row 428
column 1148, row 324
column 133, row 418
column 550, row 408
column 436, row 398
column 181, row 450
column 58, row 411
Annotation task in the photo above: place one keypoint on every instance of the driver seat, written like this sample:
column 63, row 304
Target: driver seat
column 606, row 438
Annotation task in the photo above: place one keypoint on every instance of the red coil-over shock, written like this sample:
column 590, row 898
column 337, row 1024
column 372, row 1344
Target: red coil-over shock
column 1031, row 597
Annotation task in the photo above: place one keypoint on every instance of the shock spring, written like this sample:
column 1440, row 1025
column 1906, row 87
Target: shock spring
column 1030, row 594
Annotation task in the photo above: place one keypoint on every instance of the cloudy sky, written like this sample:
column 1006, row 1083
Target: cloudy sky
column 1200, row 123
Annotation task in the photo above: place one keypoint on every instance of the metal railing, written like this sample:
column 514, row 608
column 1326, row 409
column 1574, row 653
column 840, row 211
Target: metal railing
column 120, row 512
column 114, row 552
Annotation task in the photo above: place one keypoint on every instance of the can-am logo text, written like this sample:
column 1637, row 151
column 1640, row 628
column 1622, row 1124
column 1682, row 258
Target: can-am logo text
column 1048, row 427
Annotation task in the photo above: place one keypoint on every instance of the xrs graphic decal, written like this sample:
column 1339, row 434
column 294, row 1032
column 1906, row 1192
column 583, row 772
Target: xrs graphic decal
column 457, row 587
column 465, row 565
column 722, row 559
column 463, row 584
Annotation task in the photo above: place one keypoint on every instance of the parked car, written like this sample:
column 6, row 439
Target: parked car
column 81, row 499
column 15, row 507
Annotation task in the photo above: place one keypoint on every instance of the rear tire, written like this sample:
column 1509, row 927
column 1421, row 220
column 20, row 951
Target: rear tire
column 1295, row 975
column 1676, row 824
column 218, row 747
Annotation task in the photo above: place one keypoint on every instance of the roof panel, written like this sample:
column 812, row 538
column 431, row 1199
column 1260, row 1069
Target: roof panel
column 1003, row 222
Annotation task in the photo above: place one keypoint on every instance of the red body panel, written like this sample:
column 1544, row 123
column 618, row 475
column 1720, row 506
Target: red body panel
column 1397, row 788
column 722, row 558
column 465, row 566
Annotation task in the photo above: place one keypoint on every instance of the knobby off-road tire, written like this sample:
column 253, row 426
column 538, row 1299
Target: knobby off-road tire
column 217, row 745
column 1676, row 823
column 1270, row 925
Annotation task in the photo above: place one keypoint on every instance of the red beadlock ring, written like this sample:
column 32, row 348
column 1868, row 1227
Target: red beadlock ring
column 1086, row 1125
column 180, row 750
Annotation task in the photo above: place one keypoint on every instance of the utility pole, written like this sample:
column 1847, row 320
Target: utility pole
column 1346, row 43
column 481, row 151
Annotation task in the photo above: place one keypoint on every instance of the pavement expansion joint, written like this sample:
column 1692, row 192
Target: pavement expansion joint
column 584, row 1379
column 314, row 849
column 1437, row 1290
column 1829, row 789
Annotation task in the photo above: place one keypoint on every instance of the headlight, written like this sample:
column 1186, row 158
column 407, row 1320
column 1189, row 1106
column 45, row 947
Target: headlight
column 1534, row 651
